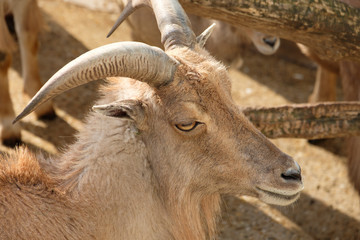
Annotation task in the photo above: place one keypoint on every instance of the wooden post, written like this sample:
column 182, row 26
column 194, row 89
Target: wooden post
column 330, row 27
column 311, row 121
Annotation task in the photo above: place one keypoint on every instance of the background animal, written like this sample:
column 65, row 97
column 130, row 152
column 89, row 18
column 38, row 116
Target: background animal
column 227, row 41
column 328, row 73
column 154, row 158
column 20, row 19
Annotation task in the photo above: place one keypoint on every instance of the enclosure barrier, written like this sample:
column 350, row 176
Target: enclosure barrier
column 310, row 121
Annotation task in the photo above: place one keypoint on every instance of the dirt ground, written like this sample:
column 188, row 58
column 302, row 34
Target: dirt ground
column 329, row 207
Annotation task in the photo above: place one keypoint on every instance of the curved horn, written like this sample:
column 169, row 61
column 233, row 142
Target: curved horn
column 125, row 59
column 130, row 7
column 173, row 23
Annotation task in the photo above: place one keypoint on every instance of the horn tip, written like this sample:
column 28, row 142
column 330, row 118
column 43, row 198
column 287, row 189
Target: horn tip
column 110, row 33
column 18, row 118
column 27, row 110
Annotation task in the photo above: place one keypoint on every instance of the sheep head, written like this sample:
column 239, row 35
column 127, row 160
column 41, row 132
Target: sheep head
column 184, row 114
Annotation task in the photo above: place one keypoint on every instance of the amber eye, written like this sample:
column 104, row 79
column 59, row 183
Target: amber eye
column 187, row 127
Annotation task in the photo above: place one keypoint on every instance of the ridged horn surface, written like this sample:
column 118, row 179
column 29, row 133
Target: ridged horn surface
column 125, row 59
column 173, row 23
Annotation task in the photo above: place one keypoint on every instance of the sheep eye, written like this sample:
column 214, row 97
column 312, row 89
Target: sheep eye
column 187, row 127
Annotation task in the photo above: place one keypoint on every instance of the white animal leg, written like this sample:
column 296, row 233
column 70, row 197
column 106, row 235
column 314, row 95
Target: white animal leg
column 8, row 131
column 27, row 31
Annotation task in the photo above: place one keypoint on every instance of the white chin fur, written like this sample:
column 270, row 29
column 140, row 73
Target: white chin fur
column 286, row 192
column 278, row 197
column 279, row 200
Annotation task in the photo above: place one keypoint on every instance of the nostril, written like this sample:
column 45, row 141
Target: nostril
column 270, row 41
column 292, row 174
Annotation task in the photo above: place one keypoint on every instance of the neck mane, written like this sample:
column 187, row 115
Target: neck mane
column 127, row 194
column 195, row 217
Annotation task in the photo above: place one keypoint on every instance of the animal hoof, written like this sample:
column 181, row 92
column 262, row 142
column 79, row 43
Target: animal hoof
column 316, row 141
column 48, row 116
column 46, row 112
column 9, row 133
column 12, row 142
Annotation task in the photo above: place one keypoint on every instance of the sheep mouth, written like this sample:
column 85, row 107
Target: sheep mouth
column 277, row 198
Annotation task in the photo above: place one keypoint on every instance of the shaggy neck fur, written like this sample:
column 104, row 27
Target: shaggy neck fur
column 128, row 201
column 135, row 195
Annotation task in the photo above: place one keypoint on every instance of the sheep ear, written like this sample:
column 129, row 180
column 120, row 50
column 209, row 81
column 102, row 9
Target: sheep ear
column 129, row 109
column 203, row 37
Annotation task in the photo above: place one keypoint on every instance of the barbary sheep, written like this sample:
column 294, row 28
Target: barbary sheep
column 155, row 155
column 227, row 41
column 23, row 18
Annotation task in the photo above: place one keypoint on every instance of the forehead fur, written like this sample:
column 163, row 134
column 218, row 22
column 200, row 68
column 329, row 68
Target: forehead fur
column 199, row 76
column 125, row 88
column 202, row 62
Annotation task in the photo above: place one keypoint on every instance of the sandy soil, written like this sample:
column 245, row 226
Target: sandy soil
column 329, row 208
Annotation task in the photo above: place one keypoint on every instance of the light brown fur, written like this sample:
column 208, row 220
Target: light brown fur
column 32, row 202
column 135, row 175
